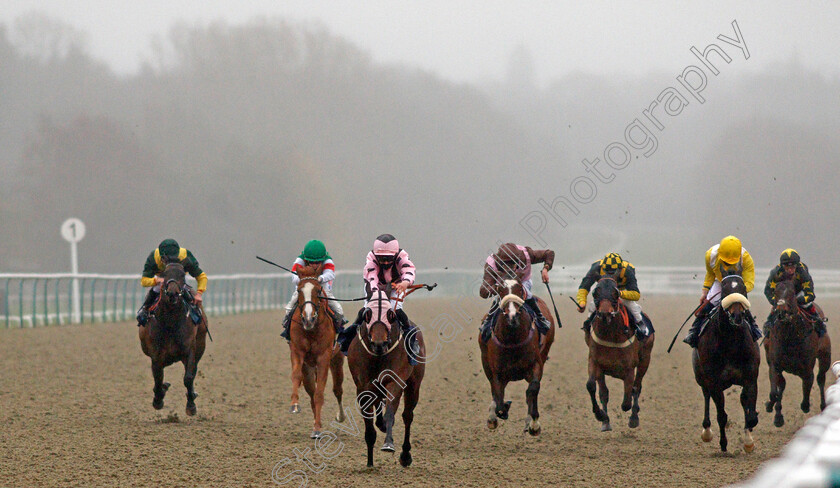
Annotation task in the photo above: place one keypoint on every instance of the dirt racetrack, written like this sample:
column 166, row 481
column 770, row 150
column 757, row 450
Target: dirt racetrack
column 75, row 410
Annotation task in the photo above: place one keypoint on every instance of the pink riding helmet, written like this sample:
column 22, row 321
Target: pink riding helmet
column 386, row 245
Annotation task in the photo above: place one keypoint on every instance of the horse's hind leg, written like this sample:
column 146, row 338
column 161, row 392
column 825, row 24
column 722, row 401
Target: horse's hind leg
column 824, row 359
column 641, row 370
column 707, row 432
column 532, row 397
column 722, row 419
column 412, row 395
column 337, row 369
column 190, row 370
column 604, row 395
column 160, row 387
column 807, row 384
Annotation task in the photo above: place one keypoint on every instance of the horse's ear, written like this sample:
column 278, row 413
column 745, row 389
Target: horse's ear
column 391, row 315
column 368, row 315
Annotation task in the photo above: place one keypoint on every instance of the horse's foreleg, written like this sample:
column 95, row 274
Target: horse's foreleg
column 807, row 384
column 412, row 395
column 707, row 432
column 297, row 379
column 322, row 369
column 776, row 394
column 722, row 419
column 190, row 370
column 591, row 387
column 337, row 369
column 749, row 395
column 532, row 397
column 370, row 438
column 604, row 396
column 389, row 417
column 629, row 381
column 160, row 387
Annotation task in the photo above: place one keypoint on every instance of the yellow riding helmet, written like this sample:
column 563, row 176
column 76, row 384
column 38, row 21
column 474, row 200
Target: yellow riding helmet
column 730, row 250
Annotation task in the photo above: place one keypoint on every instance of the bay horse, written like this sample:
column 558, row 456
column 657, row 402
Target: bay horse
column 615, row 351
column 312, row 348
column 515, row 352
column 792, row 346
column 170, row 336
column 727, row 355
column 379, row 363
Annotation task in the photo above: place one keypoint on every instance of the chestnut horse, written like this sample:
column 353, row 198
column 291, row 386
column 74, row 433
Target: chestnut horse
column 727, row 355
column 379, row 363
column 792, row 346
column 615, row 351
column 515, row 352
column 312, row 347
column 170, row 336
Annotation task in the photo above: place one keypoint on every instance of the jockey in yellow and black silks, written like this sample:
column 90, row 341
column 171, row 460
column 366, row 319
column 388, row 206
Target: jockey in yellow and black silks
column 169, row 250
column 723, row 259
column 624, row 273
column 792, row 268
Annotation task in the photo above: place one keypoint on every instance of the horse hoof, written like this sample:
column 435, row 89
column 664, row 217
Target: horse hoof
column 768, row 406
column 806, row 407
column 627, row 407
column 339, row 417
column 606, row 427
column 492, row 424
column 534, row 428
column 779, row 421
column 748, row 448
column 191, row 410
column 315, row 434
column 157, row 404
column 165, row 387
column 388, row 447
column 706, row 435
column 634, row 422
column 405, row 459
column 502, row 414
column 749, row 443
column 295, row 408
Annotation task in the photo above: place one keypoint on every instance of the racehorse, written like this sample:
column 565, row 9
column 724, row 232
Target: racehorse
column 379, row 363
column 169, row 336
column 727, row 355
column 515, row 352
column 792, row 346
column 615, row 351
column 312, row 347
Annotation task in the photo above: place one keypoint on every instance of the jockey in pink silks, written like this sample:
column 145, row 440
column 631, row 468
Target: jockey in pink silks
column 386, row 264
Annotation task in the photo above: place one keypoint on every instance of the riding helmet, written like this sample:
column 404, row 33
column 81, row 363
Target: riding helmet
column 730, row 250
column 789, row 256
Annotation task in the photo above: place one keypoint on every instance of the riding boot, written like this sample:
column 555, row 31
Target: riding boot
column 694, row 332
column 588, row 322
column 345, row 337
column 487, row 324
column 143, row 313
column 754, row 330
column 287, row 322
column 338, row 322
column 410, row 337
column 641, row 329
column 194, row 312
column 819, row 327
column 543, row 325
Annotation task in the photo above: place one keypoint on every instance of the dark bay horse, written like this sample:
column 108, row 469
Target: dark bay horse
column 312, row 347
column 615, row 351
column 170, row 336
column 379, row 364
column 727, row 355
column 792, row 346
column 515, row 352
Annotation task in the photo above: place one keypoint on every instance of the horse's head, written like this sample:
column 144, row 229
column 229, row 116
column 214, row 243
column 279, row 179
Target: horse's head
column 605, row 296
column 786, row 297
column 512, row 297
column 380, row 319
column 734, row 299
column 309, row 294
column 174, row 282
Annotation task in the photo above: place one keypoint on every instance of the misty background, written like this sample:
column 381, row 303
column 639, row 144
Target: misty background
column 251, row 138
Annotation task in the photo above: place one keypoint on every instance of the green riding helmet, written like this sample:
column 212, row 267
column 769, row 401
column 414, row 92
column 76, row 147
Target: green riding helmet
column 170, row 248
column 315, row 252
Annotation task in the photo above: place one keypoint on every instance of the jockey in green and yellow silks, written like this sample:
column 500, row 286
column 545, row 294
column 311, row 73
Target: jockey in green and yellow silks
column 792, row 268
column 624, row 274
column 170, row 251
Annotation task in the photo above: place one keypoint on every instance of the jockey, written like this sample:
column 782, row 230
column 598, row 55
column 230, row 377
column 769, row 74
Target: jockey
column 792, row 268
column 169, row 250
column 514, row 259
column 723, row 259
column 314, row 252
column 624, row 274
column 387, row 264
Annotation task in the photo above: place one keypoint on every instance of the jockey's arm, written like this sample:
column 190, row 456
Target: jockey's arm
column 710, row 274
column 486, row 289
column 328, row 273
column 545, row 256
column 770, row 286
column 191, row 266
column 807, row 285
column 748, row 271
column 149, row 271
column 631, row 287
column 586, row 283
column 405, row 268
